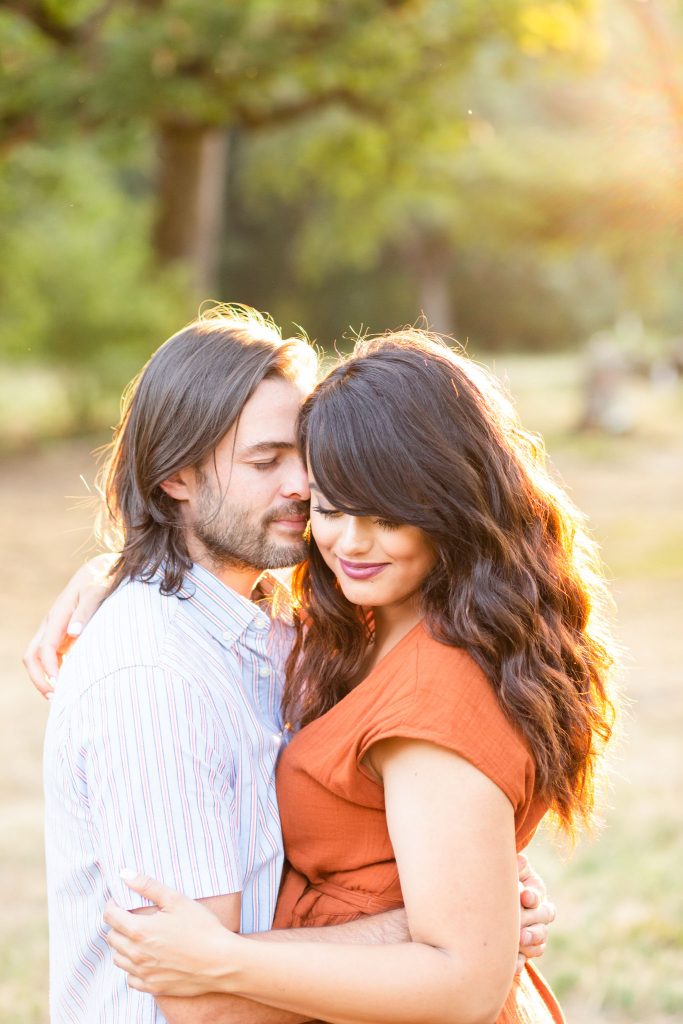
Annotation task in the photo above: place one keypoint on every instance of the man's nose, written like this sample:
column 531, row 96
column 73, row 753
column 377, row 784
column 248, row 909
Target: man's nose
column 295, row 484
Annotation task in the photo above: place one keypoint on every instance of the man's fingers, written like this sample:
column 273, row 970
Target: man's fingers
column 528, row 877
column 544, row 913
column 534, row 951
column 521, row 963
column 535, row 936
column 530, row 898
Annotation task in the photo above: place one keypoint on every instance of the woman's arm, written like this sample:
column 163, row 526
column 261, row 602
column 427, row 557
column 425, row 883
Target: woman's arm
column 73, row 607
column 448, row 823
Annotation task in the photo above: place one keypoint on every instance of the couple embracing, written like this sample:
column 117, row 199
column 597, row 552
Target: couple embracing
column 398, row 718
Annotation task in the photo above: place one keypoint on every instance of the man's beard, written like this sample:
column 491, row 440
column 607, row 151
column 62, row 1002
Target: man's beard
column 233, row 539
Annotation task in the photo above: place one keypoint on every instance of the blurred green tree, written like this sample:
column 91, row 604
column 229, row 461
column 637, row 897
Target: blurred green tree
column 190, row 69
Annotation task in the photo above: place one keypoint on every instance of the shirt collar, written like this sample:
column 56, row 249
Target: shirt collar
column 225, row 613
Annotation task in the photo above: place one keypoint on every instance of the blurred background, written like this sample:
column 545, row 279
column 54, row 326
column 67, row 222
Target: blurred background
column 508, row 171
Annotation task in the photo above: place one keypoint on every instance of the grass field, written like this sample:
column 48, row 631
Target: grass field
column 617, row 950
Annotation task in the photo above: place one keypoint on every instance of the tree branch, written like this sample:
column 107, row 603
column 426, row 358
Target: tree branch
column 252, row 119
column 63, row 35
column 15, row 130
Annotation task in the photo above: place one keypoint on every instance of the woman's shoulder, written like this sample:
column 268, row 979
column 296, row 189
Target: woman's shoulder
column 446, row 697
column 420, row 661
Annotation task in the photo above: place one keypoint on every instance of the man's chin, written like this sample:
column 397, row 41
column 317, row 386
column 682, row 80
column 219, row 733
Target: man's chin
column 283, row 556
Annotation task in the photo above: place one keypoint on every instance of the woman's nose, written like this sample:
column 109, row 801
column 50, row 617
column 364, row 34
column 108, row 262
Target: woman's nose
column 356, row 537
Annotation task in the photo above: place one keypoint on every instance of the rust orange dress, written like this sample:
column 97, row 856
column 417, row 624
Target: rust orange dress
column 340, row 863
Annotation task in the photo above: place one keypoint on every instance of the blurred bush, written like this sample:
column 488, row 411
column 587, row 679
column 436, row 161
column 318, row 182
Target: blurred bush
column 78, row 286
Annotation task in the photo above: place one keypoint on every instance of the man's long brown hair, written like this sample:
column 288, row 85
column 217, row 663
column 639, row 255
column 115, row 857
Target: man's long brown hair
column 174, row 413
column 411, row 431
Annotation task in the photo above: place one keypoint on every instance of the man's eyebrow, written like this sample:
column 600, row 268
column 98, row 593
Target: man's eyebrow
column 265, row 446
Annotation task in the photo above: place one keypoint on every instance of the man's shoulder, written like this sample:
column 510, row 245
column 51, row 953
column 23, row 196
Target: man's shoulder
column 131, row 629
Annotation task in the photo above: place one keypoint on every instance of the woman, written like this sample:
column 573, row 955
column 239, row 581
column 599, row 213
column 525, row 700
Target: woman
column 450, row 678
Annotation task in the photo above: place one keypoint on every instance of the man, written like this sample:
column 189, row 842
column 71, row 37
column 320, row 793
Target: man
column 165, row 727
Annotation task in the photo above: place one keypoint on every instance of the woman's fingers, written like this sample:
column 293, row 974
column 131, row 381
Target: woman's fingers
column 76, row 604
column 41, row 677
column 124, row 949
column 122, row 923
column 156, row 892
column 43, row 656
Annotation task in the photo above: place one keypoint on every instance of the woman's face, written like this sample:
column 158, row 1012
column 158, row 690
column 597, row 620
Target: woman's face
column 377, row 563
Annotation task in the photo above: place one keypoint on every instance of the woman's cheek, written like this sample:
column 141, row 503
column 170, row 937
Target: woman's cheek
column 322, row 535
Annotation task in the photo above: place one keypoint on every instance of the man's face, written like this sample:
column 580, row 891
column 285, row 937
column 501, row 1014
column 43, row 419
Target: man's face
column 248, row 504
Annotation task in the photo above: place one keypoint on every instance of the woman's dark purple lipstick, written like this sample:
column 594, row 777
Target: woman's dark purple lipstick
column 361, row 570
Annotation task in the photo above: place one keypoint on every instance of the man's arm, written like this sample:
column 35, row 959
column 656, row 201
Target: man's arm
column 159, row 784
column 216, row 1008
column 378, row 929
column 202, row 1009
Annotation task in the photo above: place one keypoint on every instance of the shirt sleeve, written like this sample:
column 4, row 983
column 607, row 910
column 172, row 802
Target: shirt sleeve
column 160, row 785
column 452, row 704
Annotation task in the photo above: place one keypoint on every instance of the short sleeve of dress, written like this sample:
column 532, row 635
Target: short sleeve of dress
column 439, row 694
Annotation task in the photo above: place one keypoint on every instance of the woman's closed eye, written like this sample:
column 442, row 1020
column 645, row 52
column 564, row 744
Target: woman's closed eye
column 327, row 512
column 387, row 524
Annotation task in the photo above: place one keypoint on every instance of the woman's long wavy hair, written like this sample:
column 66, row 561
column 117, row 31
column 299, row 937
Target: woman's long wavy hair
column 408, row 430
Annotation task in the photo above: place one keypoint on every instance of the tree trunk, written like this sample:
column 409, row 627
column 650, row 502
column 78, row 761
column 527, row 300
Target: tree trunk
column 191, row 198
column 430, row 261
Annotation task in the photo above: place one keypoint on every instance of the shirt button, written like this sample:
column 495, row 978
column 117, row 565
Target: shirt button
column 264, row 670
column 262, row 624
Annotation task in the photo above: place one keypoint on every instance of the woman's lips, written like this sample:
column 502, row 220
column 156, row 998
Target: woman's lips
column 361, row 570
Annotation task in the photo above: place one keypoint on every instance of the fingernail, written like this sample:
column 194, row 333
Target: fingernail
column 52, row 680
column 127, row 874
column 49, row 696
column 74, row 628
column 526, row 937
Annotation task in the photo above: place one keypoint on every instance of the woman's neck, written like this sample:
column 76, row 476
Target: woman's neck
column 392, row 623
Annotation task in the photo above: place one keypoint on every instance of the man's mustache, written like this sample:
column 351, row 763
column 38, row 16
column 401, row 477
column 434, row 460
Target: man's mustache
column 290, row 510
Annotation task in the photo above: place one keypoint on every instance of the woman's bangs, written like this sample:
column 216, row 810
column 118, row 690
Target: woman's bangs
column 352, row 459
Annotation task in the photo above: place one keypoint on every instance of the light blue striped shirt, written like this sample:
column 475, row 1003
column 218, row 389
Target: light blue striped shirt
column 160, row 755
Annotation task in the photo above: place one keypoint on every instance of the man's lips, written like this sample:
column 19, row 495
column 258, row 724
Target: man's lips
column 292, row 522
column 361, row 570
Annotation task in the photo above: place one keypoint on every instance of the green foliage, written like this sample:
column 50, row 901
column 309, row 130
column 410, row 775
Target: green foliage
column 77, row 283
column 376, row 147
column 235, row 63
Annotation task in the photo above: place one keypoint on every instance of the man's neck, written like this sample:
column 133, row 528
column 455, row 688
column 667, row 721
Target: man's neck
column 241, row 579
